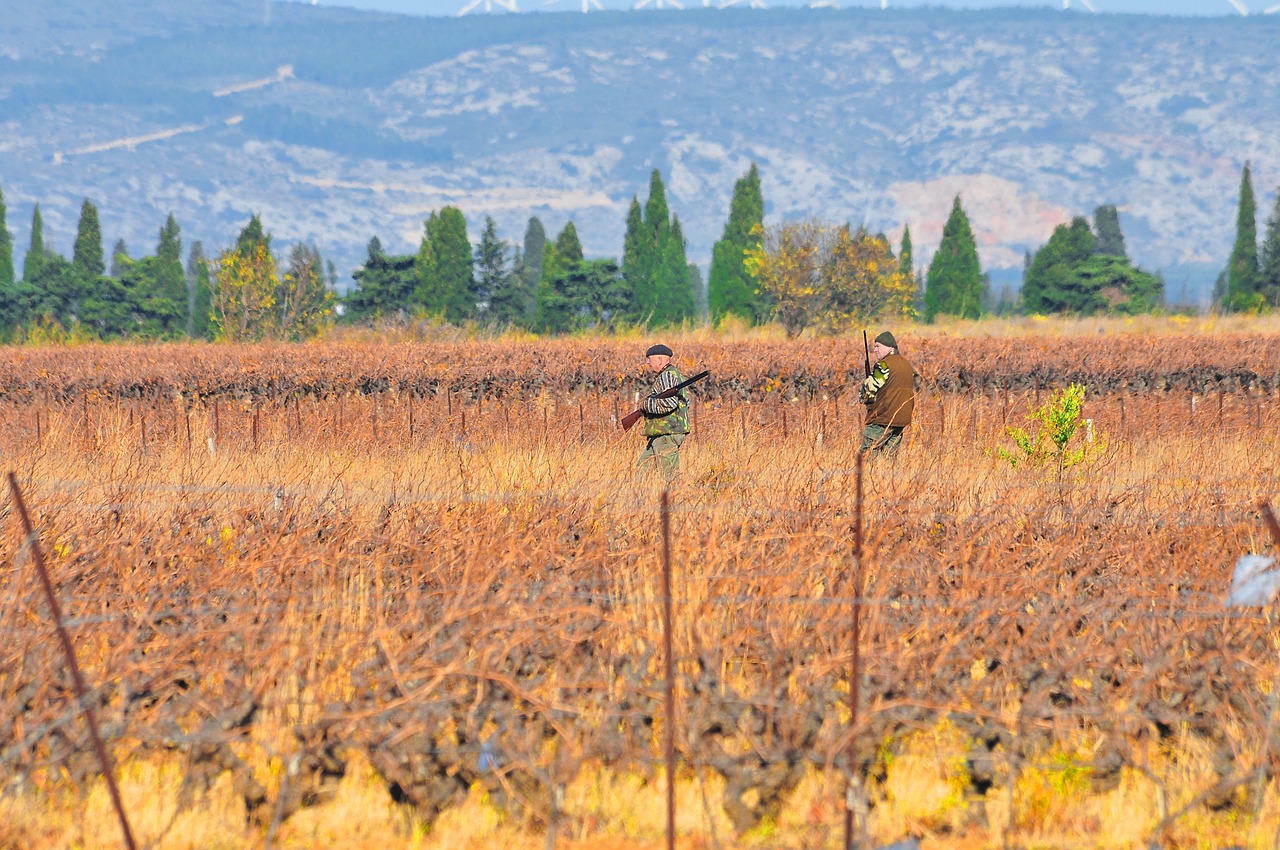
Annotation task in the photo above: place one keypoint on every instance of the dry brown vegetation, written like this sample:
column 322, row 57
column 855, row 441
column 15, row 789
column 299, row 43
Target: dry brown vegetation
column 346, row 595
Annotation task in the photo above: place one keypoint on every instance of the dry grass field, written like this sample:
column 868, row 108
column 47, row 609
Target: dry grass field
column 363, row 594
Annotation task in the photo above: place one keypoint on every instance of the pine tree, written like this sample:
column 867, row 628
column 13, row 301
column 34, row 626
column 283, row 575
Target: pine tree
column 955, row 284
column 86, row 257
column 731, row 290
column 1109, row 239
column 253, row 235
column 1242, row 270
column 7, row 277
column 33, row 263
column 490, row 264
column 1050, row 284
column 1069, row 274
column 385, row 284
column 1269, row 258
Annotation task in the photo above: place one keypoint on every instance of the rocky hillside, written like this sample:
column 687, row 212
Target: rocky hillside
column 338, row 124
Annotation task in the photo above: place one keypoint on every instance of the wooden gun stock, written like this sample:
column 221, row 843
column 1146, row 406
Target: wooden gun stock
column 634, row 416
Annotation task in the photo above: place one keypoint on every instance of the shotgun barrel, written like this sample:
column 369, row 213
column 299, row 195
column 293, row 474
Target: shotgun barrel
column 634, row 416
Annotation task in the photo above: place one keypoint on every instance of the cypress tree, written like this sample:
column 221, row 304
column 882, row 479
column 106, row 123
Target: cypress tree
column 33, row 263
column 1109, row 240
column 955, row 283
column 1269, row 258
column 643, row 297
column 568, row 246
column 655, row 269
column 535, row 239
column 1242, row 270
column 731, row 289
column 167, row 294
column 86, row 256
column 656, row 231
column 199, row 292
column 700, row 294
column 7, row 277
column 906, row 257
column 446, row 285
column 676, row 300
column 119, row 258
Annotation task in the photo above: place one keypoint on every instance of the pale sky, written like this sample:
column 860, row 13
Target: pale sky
column 1150, row 7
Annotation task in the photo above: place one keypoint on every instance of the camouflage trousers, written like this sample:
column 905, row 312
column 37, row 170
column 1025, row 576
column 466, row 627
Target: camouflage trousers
column 882, row 439
column 662, row 454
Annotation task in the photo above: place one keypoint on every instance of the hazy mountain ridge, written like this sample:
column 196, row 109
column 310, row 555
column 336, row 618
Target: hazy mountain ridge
column 336, row 125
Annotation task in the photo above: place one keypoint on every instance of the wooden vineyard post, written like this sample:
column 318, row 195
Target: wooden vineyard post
column 104, row 759
column 669, row 732
column 1270, row 519
column 855, row 664
column 411, row 417
column 255, row 426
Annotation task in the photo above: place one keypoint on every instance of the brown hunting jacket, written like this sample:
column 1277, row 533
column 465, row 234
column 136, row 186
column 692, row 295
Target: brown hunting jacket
column 889, row 392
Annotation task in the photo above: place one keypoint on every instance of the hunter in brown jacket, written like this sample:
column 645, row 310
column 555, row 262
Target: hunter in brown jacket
column 889, row 393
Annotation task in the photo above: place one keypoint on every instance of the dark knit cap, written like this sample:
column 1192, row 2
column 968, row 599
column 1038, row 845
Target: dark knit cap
column 885, row 338
column 659, row 349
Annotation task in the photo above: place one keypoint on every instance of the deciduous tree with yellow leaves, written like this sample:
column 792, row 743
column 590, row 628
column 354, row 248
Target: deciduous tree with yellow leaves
column 244, row 294
column 828, row 277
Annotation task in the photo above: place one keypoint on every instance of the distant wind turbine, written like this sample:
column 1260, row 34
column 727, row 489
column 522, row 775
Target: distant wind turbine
column 658, row 4
column 509, row 5
column 586, row 4
column 1240, row 7
column 754, row 4
column 1088, row 4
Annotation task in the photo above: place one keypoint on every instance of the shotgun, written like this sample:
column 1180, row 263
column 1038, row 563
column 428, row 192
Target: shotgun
column 634, row 416
column 866, row 355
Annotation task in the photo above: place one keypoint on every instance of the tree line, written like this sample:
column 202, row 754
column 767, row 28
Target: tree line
column 1251, row 280
column 808, row 276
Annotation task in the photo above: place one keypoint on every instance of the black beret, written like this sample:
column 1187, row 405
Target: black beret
column 659, row 349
